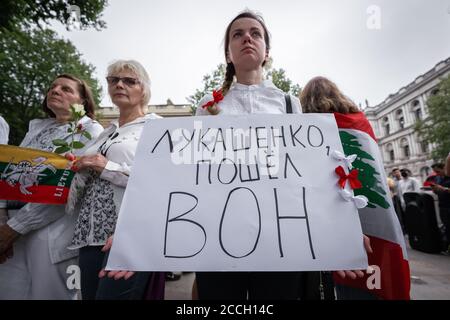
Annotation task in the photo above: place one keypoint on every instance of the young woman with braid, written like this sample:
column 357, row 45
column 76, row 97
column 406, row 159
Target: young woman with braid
column 244, row 91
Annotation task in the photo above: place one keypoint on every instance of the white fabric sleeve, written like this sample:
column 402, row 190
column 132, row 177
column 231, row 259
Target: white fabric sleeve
column 4, row 131
column 296, row 106
column 34, row 216
column 116, row 173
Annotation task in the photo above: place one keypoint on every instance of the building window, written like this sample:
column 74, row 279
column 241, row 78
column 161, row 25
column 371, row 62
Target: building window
column 390, row 152
column 416, row 109
column 418, row 114
column 424, row 146
column 387, row 128
column 400, row 119
column 405, row 148
column 406, row 151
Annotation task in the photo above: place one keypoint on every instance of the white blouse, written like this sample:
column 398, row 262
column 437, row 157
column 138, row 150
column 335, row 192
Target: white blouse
column 101, row 202
column 251, row 99
column 4, row 131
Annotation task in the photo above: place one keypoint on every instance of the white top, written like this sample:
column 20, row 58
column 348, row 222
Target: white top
column 407, row 185
column 4, row 131
column 34, row 216
column 118, row 145
column 251, row 99
column 103, row 194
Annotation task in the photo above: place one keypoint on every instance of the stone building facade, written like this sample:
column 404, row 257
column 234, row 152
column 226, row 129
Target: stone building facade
column 393, row 121
column 107, row 114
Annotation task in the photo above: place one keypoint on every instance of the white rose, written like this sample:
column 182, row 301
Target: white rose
column 79, row 108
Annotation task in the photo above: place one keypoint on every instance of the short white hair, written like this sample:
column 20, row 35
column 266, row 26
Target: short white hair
column 119, row 65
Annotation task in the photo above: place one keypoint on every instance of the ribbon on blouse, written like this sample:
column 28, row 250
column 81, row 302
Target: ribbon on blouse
column 217, row 97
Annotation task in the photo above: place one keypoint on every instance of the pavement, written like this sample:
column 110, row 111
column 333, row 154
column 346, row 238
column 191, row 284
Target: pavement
column 430, row 278
column 430, row 275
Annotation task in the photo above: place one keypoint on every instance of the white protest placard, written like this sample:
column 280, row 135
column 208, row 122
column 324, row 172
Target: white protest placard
column 237, row 193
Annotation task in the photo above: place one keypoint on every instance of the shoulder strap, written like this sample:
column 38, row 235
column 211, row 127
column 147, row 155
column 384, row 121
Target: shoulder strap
column 287, row 97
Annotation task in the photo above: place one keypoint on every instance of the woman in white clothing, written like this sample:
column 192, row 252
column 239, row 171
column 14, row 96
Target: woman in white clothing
column 36, row 237
column 4, row 131
column 107, row 165
column 4, row 134
column 247, row 45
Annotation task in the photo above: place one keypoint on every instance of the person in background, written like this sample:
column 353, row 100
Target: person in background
column 321, row 95
column 35, row 238
column 438, row 172
column 407, row 184
column 447, row 166
column 441, row 187
column 396, row 197
column 4, row 131
column 4, row 134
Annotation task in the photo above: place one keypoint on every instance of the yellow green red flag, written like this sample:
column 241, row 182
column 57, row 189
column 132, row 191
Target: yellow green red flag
column 31, row 175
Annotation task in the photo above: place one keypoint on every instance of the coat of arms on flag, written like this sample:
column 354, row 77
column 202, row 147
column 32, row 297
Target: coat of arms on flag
column 30, row 175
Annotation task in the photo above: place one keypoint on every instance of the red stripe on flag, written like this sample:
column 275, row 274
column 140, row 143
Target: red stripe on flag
column 356, row 121
column 395, row 283
column 39, row 194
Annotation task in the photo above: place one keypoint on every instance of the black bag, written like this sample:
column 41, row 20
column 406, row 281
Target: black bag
column 421, row 224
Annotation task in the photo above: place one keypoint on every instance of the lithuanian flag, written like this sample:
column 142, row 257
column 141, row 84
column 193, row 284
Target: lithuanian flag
column 31, row 175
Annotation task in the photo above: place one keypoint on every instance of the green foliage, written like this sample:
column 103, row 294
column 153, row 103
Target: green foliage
column 211, row 82
column 436, row 128
column 18, row 14
column 281, row 81
column 29, row 61
column 372, row 187
column 214, row 81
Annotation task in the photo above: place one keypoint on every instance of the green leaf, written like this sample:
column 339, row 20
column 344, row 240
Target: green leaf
column 60, row 150
column 77, row 145
column 87, row 135
column 70, row 130
column 60, row 142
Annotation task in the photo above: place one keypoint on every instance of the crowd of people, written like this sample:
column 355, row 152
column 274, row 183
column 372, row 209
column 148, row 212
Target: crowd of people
column 39, row 241
column 438, row 183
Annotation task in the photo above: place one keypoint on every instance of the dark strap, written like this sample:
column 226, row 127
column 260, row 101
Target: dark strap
column 287, row 97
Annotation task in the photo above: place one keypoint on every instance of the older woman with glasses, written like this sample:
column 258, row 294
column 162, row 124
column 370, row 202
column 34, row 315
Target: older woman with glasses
column 106, row 167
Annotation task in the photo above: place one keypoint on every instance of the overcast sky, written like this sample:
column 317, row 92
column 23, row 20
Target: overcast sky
column 179, row 41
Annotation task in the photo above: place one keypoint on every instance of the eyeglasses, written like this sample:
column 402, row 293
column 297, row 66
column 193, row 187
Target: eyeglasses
column 129, row 82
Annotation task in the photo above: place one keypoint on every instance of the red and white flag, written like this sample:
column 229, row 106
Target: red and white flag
column 379, row 220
